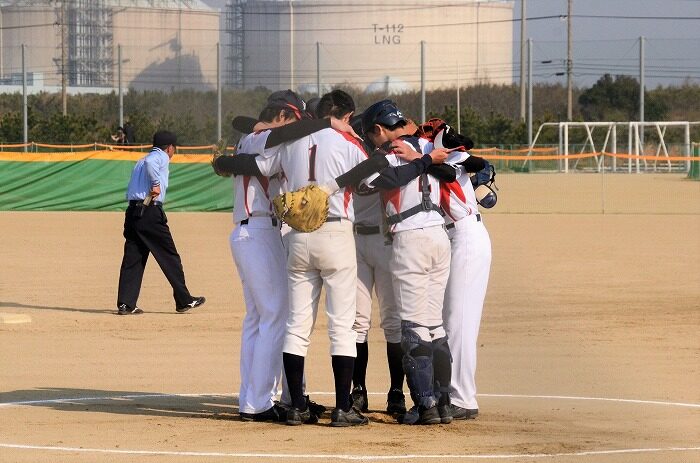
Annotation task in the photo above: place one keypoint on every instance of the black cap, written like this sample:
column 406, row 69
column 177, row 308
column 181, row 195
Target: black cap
column 312, row 105
column 287, row 99
column 383, row 112
column 164, row 138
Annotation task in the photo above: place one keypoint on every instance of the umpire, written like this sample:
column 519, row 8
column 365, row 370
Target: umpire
column 146, row 230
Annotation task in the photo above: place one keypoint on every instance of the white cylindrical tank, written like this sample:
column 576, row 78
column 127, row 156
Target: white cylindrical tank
column 287, row 44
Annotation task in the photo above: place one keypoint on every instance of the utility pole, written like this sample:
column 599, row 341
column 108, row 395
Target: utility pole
column 119, row 82
column 218, row 92
column 25, row 128
column 529, row 92
column 569, row 67
column 459, row 108
column 64, row 83
column 641, row 87
column 523, row 28
column 318, row 69
column 422, row 81
column 291, row 45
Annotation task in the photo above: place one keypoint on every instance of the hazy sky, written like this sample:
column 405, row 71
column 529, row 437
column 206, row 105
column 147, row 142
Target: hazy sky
column 611, row 45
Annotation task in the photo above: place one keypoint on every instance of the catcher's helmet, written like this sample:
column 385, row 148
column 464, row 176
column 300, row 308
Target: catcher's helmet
column 287, row 99
column 384, row 112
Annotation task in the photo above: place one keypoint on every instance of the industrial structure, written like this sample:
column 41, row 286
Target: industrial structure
column 307, row 45
column 303, row 44
column 165, row 43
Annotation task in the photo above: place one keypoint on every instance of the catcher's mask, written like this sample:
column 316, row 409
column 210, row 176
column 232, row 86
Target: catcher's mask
column 383, row 112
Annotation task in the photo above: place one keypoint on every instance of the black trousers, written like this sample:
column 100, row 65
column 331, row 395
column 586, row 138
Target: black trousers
column 149, row 234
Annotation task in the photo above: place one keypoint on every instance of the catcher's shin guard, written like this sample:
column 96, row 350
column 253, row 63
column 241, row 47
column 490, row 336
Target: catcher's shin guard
column 442, row 364
column 418, row 366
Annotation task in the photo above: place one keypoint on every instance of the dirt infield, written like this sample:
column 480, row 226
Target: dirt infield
column 589, row 350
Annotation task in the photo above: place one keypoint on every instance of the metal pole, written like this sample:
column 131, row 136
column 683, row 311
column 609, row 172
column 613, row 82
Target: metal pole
column 119, row 82
column 523, row 28
column 569, row 67
column 529, row 92
column 64, row 83
column 218, row 91
column 318, row 69
column 422, row 80
column 291, row 45
column 459, row 108
column 641, row 87
column 25, row 127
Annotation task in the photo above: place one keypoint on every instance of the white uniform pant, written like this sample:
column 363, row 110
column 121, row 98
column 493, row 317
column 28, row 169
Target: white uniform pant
column 373, row 257
column 323, row 257
column 260, row 259
column 464, row 301
column 420, row 266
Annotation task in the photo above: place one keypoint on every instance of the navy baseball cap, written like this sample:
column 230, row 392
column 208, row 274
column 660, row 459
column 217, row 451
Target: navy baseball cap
column 383, row 112
column 164, row 138
column 287, row 99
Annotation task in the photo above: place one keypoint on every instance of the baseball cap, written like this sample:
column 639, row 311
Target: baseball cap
column 164, row 138
column 287, row 99
column 383, row 112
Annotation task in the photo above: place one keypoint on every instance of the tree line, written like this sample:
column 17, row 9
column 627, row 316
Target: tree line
column 489, row 114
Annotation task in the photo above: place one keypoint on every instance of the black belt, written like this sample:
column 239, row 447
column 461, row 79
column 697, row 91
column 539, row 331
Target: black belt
column 451, row 225
column 139, row 202
column 366, row 230
column 333, row 219
column 272, row 219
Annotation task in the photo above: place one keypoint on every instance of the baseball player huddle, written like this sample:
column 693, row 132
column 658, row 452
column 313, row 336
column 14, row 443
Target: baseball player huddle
column 403, row 221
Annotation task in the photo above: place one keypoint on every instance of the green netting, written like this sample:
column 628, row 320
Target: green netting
column 100, row 185
column 694, row 171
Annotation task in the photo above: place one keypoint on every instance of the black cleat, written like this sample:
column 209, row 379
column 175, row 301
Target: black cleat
column 316, row 409
column 445, row 412
column 342, row 419
column 196, row 302
column 358, row 398
column 309, row 415
column 396, row 402
column 420, row 415
column 123, row 309
column 271, row 414
column 459, row 413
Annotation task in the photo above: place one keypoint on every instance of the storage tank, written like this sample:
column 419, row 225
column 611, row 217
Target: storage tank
column 166, row 44
column 300, row 44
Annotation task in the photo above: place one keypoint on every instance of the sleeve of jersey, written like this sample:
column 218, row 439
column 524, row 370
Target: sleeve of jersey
column 295, row 131
column 470, row 163
column 397, row 176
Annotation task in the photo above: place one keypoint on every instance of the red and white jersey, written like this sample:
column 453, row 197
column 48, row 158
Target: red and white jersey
column 252, row 194
column 408, row 196
column 318, row 158
column 457, row 198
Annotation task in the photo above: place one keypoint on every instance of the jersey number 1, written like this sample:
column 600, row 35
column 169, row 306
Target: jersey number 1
column 312, row 163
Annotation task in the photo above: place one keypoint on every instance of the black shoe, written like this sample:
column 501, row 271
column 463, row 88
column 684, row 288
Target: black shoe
column 358, row 397
column 316, row 409
column 295, row 417
column 396, row 402
column 196, row 302
column 271, row 414
column 459, row 413
column 352, row 417
column 445, row 412
column 123, row 309
column 420, row 415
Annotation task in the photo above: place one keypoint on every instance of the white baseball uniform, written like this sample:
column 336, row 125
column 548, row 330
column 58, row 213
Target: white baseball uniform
column 466, row 287
column 373, row 257
column 420, row 262
column 327, row 255
column 260, row 258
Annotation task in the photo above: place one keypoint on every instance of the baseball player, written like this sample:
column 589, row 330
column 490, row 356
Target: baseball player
column 420, row 267
column 257, row 250
column 466, row 287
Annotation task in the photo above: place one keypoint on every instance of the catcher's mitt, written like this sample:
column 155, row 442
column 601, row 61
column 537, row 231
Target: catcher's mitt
column 305, row 209
column 219, row 151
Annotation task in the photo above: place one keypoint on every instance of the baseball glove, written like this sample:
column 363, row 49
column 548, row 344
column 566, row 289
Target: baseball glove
column 219, row 151
column 305, row 209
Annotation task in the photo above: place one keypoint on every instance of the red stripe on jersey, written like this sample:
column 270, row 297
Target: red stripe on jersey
column 445, row 199
column 346, row 199
column 353, row 140
column 246, row 182
column 265, row 184
column 446, row 189
column 394, row 197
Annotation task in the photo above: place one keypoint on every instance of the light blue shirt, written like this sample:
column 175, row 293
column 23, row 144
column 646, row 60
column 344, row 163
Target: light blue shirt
column 151, row 170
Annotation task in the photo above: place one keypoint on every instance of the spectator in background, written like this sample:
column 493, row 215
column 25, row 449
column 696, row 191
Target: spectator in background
column 129, row 132
column 120, row 137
